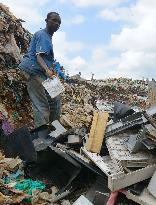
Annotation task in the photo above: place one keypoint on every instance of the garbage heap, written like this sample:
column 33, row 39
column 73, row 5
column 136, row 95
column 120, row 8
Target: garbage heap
column 14, row 100
column 83, row 97
column 112, row 163
column 101, row 152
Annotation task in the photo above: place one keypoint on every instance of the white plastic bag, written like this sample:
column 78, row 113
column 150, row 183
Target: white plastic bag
column 53, row 86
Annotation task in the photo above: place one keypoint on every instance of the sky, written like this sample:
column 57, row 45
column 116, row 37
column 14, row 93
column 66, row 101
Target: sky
column 109, row 38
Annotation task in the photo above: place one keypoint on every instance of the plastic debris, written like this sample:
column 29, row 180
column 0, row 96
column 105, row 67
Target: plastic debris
column 29, row 185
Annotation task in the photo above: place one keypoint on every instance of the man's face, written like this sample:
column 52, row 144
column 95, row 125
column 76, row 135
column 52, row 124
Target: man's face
column 53, row 22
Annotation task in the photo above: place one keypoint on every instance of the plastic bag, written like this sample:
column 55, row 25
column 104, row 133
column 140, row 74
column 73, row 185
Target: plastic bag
column 53, row 86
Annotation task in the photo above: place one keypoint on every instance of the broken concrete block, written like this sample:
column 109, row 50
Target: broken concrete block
column 59, row 129
column 82, row 200
column 97, row 132
column 152, row 185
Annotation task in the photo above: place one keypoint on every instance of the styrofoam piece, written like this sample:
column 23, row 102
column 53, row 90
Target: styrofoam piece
column 108, row 166
column 152, row 185
column 120, row 181
column 145, row 198
column 82, row 200
column 118, row 151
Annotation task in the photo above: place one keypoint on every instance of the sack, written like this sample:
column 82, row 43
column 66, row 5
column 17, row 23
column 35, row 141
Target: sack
column 53, row 86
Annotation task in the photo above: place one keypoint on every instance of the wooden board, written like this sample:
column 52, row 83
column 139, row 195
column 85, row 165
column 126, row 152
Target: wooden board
column 97, row 132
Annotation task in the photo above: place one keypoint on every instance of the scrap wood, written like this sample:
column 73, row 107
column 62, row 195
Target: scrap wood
column 97, row 132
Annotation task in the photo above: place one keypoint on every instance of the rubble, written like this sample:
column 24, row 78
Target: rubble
column 101, row 152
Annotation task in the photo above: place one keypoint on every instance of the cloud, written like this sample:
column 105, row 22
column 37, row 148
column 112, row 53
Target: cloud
column 136, row 42
column 27, row 10
column 135, row 45
column 63, row 47
column 116, row 14
column 87, row 3
column 75, row 20
column 98, row 62
column 137, row 64
column 78, row 19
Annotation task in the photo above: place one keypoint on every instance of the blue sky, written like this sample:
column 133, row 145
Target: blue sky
column 110, row 38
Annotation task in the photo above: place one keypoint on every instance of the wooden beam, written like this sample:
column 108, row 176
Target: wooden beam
column 97, row 132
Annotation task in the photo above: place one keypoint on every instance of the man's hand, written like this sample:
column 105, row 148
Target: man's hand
column 49, row 73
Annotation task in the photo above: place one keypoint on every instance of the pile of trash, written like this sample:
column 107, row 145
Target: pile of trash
column 101, row 152
column 16, row 189
column 82, row 97
column 112, row 163
column 14, row 100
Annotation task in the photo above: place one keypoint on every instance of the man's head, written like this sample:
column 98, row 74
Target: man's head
column 53, row 21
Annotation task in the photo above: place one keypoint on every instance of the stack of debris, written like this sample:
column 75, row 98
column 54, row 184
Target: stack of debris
column 13, row 94
column 102, row 152
column 83, row 97
column 119, row 149
column 112, row 163
column 131, row 147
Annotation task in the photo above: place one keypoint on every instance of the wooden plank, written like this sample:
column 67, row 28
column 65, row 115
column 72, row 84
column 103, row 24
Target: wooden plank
column 92, row 132
column 97, row 132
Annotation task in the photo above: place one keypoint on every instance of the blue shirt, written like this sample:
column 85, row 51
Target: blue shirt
column 41, row 42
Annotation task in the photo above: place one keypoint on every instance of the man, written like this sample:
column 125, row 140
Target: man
column 36, row 67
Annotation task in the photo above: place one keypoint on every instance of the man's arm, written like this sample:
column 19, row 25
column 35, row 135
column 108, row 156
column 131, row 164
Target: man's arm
column 43, row 65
